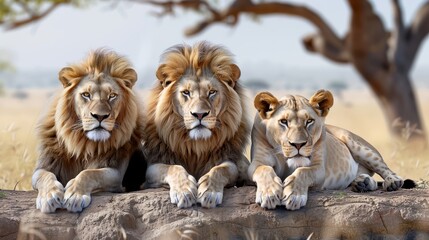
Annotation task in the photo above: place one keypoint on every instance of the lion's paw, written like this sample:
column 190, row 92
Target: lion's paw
column 50, row 199
column 364, row 183
column 76, row 199
column 392, row 183
column 210, row 192
column 269, row 192
column 294, row 194
column 183, row 192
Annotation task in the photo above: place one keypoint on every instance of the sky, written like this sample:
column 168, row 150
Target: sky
column 131, row 29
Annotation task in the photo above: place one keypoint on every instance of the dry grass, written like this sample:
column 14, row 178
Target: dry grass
column 357, row 111
column 17, row 138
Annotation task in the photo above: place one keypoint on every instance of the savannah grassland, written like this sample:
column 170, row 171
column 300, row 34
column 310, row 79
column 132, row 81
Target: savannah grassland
column 357, row 111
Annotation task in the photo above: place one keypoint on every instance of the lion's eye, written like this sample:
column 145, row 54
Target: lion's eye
column 112, row 96
column 186, row 93
column 86, row 95
column 283, row 122
column 212, row 93
column 309, row 121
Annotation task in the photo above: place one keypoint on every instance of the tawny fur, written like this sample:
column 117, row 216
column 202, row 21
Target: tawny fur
column 65, row 150
column 167, row 139
column 293, row 149
column 179, row 146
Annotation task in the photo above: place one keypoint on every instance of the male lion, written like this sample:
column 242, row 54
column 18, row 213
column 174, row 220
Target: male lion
column 290, row 141
column 89, row 133
column 197, row 126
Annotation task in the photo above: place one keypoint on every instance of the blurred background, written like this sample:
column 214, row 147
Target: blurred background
column 371, row 54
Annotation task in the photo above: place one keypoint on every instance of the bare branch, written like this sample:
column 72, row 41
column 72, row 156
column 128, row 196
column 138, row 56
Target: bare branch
column 397, row 38
column 368, row 43
column 25, row 7
column 325, row 42
column 416, row 33
column 168, row 6
column 316, row 43
column 398, row 16
column 31, row 18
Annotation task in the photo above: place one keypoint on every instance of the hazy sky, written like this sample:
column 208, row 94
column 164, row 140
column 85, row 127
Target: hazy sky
column 68, row 34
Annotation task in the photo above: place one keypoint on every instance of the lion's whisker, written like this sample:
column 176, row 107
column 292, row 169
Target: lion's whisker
column 77, row 126
column 277, row 150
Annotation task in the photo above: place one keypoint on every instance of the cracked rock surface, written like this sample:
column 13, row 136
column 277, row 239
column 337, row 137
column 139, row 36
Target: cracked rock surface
column 148, row 214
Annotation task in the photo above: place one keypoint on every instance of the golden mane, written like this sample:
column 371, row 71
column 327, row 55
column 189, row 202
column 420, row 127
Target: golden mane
column 167, row 139
column 60, row 133
column 196, row 60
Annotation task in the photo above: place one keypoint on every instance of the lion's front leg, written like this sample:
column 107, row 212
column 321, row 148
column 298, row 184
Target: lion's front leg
column 269, row 187
column 78, row 190
column 50, row 191
column 183, row 186
column 210, row 186
column 295, row 191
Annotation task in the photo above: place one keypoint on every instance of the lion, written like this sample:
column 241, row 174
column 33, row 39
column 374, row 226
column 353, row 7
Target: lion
column 197, row 126
column 88, row 134
column 291, row 142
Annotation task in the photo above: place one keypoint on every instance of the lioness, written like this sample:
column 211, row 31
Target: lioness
column 89, row 134
column 291, row 142
column 197, row 126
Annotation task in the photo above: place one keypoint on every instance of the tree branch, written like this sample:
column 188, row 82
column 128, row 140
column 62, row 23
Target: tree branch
column 168, row 6
column 368, row 44
column 316, row 43
column 416, row 33
column 32, row 18
column 325, row 42
column 397, row 38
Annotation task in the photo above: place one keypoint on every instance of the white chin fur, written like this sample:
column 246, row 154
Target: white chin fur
column 297, row 162
column 200, row 133
column 98, row 135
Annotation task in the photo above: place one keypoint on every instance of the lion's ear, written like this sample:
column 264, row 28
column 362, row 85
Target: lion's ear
column 235, row 75
column 265, row 103
column 235, row 72
column 65, row 76
column 322, row 101
column 130, row 77
column 162, row 75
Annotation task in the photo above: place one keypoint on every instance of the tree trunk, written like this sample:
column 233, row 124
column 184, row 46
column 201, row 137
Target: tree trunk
column 402, row 105
column 398, row 103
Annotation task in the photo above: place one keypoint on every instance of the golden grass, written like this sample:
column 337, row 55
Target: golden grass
column 357, row 111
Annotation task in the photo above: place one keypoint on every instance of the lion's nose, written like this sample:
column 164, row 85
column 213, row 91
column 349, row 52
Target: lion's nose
column 99, row 117
column 200, row 116
column 298, row 145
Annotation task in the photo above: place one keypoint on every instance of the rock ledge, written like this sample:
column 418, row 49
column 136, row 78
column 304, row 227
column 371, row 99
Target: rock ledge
column 148, row 214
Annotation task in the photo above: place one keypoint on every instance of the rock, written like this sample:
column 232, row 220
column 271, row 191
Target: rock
column 148, row 214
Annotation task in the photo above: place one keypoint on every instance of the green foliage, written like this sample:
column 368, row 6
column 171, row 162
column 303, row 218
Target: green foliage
column 2, row 194
column 16, row 10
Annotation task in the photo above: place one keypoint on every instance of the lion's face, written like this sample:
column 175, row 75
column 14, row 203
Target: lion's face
column 198, row 81
column 294, row 124
column 97, row 103
column 97, row 110
column 199, row 103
